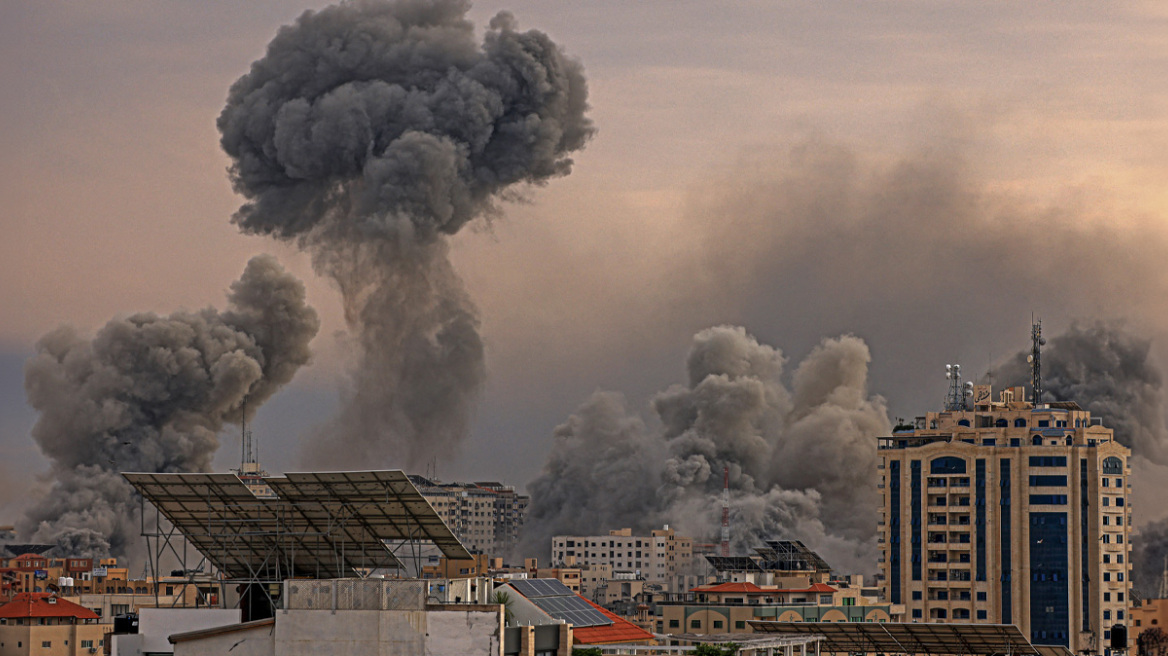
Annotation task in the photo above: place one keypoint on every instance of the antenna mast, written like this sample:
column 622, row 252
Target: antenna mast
column 1164, row 580
column 726, row 511
column 1036, row 343
column 248, row 456
column 955, row 397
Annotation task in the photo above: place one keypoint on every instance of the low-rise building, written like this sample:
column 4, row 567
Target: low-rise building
column 43, row 624
column 729, row 607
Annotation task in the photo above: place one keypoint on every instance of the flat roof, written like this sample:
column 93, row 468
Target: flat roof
column 909, row 638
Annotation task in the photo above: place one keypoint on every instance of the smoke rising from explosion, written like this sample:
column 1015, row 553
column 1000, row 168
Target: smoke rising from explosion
column 367, row 133
column 150, row 393
column 1108, row 371
column 801, row 459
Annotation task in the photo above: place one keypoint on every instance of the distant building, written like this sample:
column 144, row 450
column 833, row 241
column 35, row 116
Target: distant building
column 487, row 516
column 41, row 623
column 661, row 558
column 1150, row 614
column 729, row 607
column 1009, row 513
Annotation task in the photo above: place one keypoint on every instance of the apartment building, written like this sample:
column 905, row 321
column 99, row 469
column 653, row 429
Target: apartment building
column 662, row 557
column 1009, row 513
column 487, row 516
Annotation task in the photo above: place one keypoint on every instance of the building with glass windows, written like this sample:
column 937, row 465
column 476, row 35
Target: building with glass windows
column 1009, row 513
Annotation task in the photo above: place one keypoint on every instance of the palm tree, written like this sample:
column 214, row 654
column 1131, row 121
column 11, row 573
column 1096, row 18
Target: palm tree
column 502, row 598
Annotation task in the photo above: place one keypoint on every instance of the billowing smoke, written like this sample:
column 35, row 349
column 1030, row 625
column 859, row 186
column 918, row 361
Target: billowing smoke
column 369, row 132
column 801, row 459
column 1149, row 549
column 1107, row 370
column 150, row 394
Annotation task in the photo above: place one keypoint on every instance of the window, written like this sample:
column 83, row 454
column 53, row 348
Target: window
column 1106, row 481
column 46, row 644
column 717, row 624
column 981, row 614
column 1048, row 481
column 916, row 595
column 675, row 624
column 981, row 596
column 1106, row 614
column 1048, row 461
column 916, row 613
column 1112, row 465
column 695, row 624
column 87, row 644
column 1050, row 499
column 1106, row 576
column 1106, row 596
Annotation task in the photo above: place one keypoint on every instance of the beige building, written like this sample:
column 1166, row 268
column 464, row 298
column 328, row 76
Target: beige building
column 729, row 607
column 487, row 517
column 1009, row 513
column 662, row 557
column 42, row 624
column 1151, row 614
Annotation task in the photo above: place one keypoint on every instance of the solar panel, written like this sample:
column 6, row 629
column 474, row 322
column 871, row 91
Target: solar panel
column 321, row 525
column 910, row 638
column 534, row 588
column 559, row 602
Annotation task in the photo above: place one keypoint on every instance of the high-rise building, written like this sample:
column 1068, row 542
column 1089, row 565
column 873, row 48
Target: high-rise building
column 1012, row 513
column 487, row 517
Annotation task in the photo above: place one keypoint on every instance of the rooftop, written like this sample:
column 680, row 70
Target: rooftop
column 44, row 604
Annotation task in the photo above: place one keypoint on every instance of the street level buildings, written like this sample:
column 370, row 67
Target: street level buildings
column 1010, row 513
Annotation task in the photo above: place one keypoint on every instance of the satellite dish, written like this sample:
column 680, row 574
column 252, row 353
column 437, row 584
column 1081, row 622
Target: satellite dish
column 1030, row 358
column 1042, row 341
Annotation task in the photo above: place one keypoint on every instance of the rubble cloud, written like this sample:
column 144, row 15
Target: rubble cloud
column 150, row 393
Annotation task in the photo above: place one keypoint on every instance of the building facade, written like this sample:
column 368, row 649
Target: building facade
column 662, row 557
column 1009, row 513
column 488, row 517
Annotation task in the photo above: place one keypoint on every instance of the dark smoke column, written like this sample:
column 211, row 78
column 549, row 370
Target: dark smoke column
column 150, row 394
column 368, row 133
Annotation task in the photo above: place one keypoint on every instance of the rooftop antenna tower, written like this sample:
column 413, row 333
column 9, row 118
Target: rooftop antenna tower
column 726, row 511
column 1037, row 341
column 1164, row 580
column 248, row 455
column 955, row 397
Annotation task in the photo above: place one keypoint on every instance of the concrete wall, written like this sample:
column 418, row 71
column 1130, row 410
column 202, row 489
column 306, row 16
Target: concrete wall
column 155, row 625
column 375, row 633
column 256, row 641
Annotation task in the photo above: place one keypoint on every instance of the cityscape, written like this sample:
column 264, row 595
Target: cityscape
column 434, row 328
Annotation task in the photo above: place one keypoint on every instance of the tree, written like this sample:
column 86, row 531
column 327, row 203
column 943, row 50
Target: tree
column 587, row 651
column 725, row 649
column 503, row 599
column 1152, row 642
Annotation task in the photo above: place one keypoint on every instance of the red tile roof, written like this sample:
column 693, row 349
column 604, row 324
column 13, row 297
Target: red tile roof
column 37, row 604
column 620, row 631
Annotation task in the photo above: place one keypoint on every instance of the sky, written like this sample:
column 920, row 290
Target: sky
column 925, row 176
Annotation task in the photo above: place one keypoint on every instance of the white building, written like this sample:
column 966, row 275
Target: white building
column 662, row 557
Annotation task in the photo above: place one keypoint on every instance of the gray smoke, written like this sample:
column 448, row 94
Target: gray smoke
column 369, row 132
column 1107, row 370
column 801, row 459
column 150, row 394
column 1149, row 549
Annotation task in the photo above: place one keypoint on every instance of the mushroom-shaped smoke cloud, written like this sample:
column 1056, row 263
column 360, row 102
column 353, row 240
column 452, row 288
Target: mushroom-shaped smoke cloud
column 368, row 132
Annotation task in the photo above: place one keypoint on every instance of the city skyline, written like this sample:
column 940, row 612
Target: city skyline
column 1031, row 137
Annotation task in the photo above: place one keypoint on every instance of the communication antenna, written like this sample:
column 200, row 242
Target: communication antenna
column 248, row 454
column 1037, row 341
column 1164, row 580
column 955, row 397
column 726, row 511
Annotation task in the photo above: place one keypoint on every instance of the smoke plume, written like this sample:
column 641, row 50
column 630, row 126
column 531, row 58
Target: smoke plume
column 1107, row 370
column 368, row 133
column 801, row 459
column 150, row 394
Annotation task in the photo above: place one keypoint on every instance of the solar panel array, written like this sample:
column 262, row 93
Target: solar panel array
column 558, row 601
column 319, row 525
column 911, row 638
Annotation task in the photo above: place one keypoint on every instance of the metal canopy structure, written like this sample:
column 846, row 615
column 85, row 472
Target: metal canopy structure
column 908, row 638
column 790, row 556
column 319, row 525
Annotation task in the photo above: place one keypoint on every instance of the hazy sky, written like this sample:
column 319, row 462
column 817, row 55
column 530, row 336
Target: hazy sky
column 923, row 175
